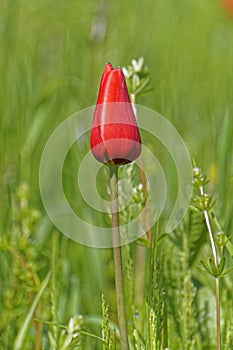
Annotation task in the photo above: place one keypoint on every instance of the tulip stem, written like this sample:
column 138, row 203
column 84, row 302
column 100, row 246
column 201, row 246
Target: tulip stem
column 119, row 284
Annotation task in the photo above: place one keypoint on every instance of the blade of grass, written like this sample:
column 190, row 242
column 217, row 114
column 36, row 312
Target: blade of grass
column 23, row 330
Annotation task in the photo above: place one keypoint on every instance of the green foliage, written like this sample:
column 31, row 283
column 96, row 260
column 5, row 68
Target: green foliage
column 22, row 288
column 204, row 204
column 69, row 337
column 106, row 331
column 52, row 55
column 138, row 77
column 20, row 338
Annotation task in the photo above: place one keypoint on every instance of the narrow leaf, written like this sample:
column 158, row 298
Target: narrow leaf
column 227, row 271
column 23, row 330
column 213, row 268
column 207, row 268
column 221, row 265
column 229, row 247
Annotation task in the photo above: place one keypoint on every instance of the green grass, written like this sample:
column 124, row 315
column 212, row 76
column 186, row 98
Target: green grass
column 51, row 62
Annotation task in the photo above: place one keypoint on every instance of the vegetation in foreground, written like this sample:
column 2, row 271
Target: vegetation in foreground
column 56, row 294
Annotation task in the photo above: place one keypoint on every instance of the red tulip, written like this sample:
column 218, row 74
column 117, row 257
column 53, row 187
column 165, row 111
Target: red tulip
column 115, row 137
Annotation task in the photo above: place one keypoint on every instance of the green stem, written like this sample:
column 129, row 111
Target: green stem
column 121, row 312
column 217, row 286
column 218, row 319
column 143, row 180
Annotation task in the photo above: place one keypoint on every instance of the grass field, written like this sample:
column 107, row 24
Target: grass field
column 52, row 55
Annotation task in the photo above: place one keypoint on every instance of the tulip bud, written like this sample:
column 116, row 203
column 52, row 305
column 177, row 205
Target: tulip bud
column 115, row 137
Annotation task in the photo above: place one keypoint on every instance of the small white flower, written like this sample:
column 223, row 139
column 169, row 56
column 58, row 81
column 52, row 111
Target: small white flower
column 126, row 72
column 137, row 65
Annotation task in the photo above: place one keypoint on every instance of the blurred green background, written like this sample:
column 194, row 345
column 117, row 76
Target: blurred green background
column 52, row 55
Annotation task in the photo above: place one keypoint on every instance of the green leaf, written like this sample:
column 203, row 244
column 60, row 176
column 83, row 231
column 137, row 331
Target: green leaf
column 144, row 92
column 23, row 330
column 229, row 247
column 143, row 84
column 213, row 267
column 227, row 271
column 207, row 268
column 144, row 242
column 161, row 237
column 221, row 266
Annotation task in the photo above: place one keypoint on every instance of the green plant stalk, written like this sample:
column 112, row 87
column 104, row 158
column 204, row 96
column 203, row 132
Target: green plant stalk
column 218, row 316
column 143, row 180
column 217, row 286
column 24, row 329
column 36, row 280
column 119, row 284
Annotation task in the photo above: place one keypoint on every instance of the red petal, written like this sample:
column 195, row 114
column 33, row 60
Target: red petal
column 115, row 136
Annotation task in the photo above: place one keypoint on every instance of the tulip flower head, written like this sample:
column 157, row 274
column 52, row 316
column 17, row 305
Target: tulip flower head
column 115, row 137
